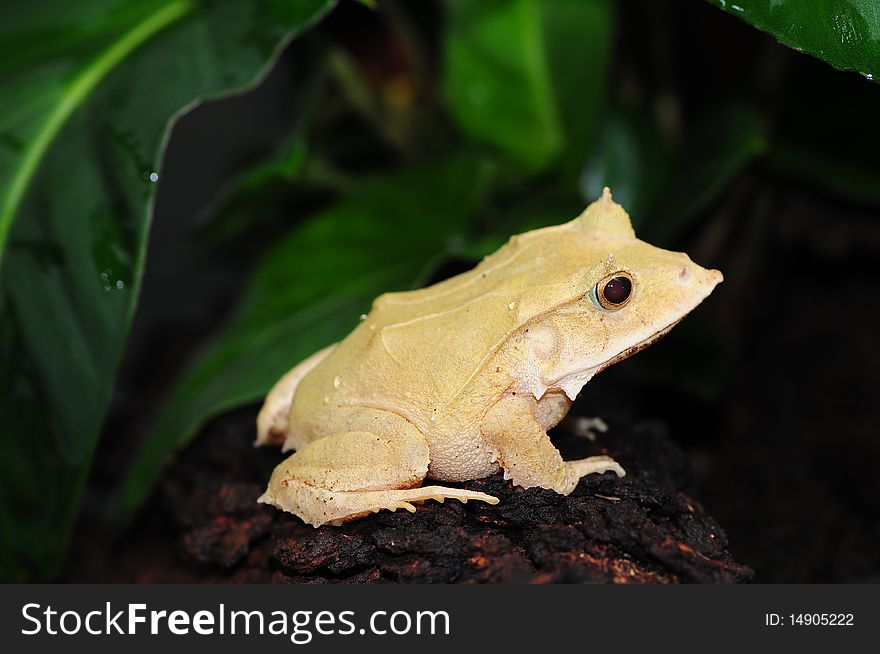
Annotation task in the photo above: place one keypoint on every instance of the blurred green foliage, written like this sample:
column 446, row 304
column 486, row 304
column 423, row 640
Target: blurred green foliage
column 510, row 119
column 664, row 186
column 511, row 80
column 842, row 32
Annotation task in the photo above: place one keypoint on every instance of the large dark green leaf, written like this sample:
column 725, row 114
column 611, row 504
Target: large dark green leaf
column 310, row 289
column 663, row 186
column 844, row 33
column 632, row 157
column 89, row 89
column 528, row 76
column 719, row 146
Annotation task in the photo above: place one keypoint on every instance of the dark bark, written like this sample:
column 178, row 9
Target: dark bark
column 646, row 527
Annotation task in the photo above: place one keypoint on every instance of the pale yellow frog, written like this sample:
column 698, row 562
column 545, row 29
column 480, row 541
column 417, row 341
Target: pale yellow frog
column 460, row 379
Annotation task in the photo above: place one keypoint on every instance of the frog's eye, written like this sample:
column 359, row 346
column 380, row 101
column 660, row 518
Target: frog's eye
column 614, row 290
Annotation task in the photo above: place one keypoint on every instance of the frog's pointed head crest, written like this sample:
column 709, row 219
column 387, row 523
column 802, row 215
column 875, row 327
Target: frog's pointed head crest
column 605, row 219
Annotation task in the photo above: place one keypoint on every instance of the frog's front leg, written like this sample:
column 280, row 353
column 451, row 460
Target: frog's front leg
column 513, row 429
column 354, row 473
column 552, row 409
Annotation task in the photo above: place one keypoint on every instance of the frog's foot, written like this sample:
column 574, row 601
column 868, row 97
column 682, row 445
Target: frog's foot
column 594, row 465
column 319, row 506
column 585, row 427
column 440, row 493
column 597, row 465
column 352, row 474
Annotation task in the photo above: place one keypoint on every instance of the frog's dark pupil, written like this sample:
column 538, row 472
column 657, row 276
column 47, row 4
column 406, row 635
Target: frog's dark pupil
column 617, row 290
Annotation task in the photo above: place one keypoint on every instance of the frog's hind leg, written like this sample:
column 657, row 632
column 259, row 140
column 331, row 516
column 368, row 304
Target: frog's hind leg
column 273, row 418
column 351, row 474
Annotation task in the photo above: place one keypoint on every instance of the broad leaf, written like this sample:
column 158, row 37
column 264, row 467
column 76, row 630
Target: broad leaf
column 89, row 89
column 528, row 76
column 719, row 146
column 309, row 291
column 632, row 158
column 844, row 33
column 664, row 187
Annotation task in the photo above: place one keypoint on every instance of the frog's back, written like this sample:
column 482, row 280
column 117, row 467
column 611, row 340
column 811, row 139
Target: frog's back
column 417, row 351
column 411, row 354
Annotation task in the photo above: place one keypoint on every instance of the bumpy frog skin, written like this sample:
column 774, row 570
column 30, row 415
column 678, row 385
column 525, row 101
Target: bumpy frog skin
column 460, row 379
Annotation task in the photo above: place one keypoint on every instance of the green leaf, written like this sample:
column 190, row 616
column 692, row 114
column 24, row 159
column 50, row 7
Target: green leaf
column 843, row 33
column 633, row 158
column 526, row 208
column 309, row 290
column 663, row 185
column 528, row 76
column 256, row 199
column 719, row 147
column 89, row 89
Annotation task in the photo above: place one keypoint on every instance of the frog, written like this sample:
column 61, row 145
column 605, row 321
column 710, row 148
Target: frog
column 463, row 378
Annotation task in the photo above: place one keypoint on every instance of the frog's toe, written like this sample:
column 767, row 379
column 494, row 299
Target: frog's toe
column 393, row 506
column 441, row 493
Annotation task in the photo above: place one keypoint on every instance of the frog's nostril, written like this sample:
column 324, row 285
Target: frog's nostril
column 686, row 276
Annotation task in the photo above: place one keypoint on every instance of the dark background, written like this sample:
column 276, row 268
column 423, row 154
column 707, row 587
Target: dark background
column 771, row 387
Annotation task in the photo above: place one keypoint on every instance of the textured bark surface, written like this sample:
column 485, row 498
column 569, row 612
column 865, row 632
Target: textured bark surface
column 646, row 527
column 204, row 525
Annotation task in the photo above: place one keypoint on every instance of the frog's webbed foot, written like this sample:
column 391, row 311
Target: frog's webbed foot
column 352, row 474
column 594, row 465
column 585, row 427
column 318, row 506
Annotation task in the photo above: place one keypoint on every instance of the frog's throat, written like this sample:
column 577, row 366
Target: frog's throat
column 635, row 349
column 580, row 378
